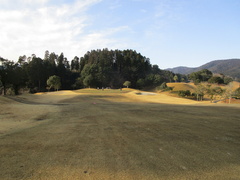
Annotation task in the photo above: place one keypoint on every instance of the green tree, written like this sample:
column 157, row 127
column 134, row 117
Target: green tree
column 164, row 87
column 91, row 75
column 52, row 58
column 78, row 83
column 200, row 76
column 0, row 86
column 54, row 82
column 127, row 83
column 237, row 92
column 75, row 65
column 175, row 78
column 216, row 79
column 12, row 76
column 4, row 74
column 18, row 78
column 157, row 80
column 229, row 92
column 205, row 74
column 214, row 91
column 200, row 91
column 46, row 55
column 196, row 77
column 184, row 93
column 227, row 80
column 36, row 75
column 88, row 81
column 140, row 83
column 22, row 60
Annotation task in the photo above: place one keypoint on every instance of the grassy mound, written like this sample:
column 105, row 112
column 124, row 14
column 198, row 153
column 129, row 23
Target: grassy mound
column 182, row 86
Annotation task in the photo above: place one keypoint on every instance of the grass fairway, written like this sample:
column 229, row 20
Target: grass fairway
column 113, row 134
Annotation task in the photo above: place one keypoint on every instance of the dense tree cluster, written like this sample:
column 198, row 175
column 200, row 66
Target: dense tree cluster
column 97, row 68
column 200, row 76
column 111, row 68
column 33, row 72
column 207, row 76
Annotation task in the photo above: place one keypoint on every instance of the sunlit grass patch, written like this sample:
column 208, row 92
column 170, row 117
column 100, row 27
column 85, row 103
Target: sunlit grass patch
column 182, row 86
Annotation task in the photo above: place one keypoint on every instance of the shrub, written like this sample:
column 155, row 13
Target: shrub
column 216, row 79
column 163, row 87
column 127, row 83
column 183, row 93
column 237, row 92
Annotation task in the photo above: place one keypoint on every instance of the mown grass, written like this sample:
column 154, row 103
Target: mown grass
column 112, row 139
column 103, row 91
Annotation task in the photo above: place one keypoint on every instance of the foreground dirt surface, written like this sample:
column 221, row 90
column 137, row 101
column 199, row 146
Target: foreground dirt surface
column 117, row 135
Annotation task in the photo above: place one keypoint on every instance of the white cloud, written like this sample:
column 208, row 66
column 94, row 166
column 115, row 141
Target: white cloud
column 34, row 1
column 55, row 28
column 33, row 26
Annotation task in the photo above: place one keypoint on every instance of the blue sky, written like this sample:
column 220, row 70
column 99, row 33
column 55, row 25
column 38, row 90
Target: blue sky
column 169, row 32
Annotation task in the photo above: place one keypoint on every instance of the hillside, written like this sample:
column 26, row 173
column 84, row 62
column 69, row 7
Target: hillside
column 230, row 67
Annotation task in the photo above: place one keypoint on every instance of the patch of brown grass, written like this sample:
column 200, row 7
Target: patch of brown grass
column 15, row 116
column 112, row 135
column 182, row 86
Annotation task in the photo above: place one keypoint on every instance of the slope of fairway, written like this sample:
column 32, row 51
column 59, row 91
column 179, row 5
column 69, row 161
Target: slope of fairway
column 20, row 113
column 158, row 98
column 132, row 95
column 236, row 85
column 182, row 86
column 113, row 134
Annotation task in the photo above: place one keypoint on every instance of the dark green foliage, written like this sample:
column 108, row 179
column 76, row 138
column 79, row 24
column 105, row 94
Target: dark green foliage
column 183, row 93
column 200, row 76
column 216, row 80
column 140, row 83
column 98, row 68
column 114, row 67
column 214, row 91
column 175, row 78
column 200, row 92
column 163, row 87
column 12, row 76
column 54, row 82
column 75, row 64
column 92, row 76
column 237, row 92
column 227, row 80
column 36, row 75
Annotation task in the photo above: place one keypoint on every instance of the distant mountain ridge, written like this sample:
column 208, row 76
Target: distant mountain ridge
column 229, row 67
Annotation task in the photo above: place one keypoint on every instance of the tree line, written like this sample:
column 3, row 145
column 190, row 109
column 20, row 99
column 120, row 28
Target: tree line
column 97, row 68
column 207, row 76
column 208, row 83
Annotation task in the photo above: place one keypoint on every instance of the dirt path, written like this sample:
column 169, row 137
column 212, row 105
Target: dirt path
column 96, row 137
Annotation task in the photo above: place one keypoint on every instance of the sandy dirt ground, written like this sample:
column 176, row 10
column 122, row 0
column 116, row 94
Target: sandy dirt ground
column 88, row 134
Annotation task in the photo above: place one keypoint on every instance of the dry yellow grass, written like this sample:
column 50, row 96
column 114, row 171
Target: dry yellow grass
column 117, row 134
column 182, row 86
column 163, row 98
column 15, row 116
column 236, row 85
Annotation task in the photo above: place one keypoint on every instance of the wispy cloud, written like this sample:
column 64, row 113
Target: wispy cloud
column 58, row 28
column 33, row 26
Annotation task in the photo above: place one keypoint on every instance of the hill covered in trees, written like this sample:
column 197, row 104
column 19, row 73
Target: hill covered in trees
column 229, row 67
column 104, row 68
column 97, row 68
